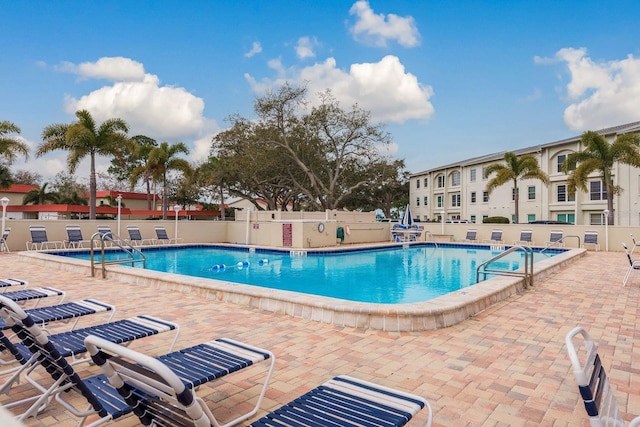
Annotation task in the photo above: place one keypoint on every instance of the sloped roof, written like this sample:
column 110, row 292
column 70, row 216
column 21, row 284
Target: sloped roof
column 614, row 130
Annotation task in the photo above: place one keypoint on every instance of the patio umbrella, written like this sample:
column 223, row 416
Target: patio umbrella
column 407, row 218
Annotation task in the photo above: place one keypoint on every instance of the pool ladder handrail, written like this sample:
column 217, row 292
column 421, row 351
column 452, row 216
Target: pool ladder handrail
column 121, row 243
column 527, row 273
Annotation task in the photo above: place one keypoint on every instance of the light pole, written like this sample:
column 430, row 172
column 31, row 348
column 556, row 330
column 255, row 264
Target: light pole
column 5, row 202
column 119, row 199
column 606, row 229
column 177, row 209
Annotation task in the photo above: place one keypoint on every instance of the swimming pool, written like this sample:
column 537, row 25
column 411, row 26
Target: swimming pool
column 436, row 313
column 395, row 275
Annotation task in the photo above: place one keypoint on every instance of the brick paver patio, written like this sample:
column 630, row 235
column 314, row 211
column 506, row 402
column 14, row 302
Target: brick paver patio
column 505, row 367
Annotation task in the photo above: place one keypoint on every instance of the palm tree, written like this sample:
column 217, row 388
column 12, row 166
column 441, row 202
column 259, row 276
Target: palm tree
column 9, row 145
column 600, row 156
column 516, row 168
column 161, row 161
column 84, row 138
column 74, row 199
column 40, row 196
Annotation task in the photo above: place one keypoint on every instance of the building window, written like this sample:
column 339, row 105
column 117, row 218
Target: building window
column 531, row 192
column 485, row 197
column 531, row 217
column 597, row 191
column 473, row 197
column 473, row 219
column 426, row 182
column 455, row 179
column 596, row 218
column 561, row 159
column 563, row 195
column 417, row 201
column 472, row 175
column 566, row 217
column 426, row 201
column 440, row 181
column 484, row 217
column 484, row 172
column 418, row 183
column 440, row 201
column 455, row 200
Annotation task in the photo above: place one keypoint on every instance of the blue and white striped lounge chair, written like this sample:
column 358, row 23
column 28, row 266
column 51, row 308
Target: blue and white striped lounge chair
column 347, row 401
column 556, row 238
column 526, row 238
column 35, row 294
column 634, row 264
column 142, row 379
column 74, row 237
column 135, row 238
column 12, row 284
column 591, row 239
column 37, row 349
column 3, row 240
column 39, row 239
column 162, row 237
column 67, row 311
column 595, row 389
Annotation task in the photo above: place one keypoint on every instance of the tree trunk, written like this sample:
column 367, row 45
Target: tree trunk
column 92, row 188
column 222, row 211
column 516, row 199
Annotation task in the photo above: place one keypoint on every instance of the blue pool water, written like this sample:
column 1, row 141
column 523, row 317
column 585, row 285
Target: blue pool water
column 386, row 276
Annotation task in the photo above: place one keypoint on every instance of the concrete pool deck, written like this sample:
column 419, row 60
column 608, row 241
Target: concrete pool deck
column 506, row 366
column 435, row 313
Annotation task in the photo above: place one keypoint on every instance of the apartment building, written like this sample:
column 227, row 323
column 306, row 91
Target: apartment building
column 459, row 190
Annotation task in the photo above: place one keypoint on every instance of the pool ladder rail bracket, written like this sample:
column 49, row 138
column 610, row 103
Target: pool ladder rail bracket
column 119, row 242
column 526, row 273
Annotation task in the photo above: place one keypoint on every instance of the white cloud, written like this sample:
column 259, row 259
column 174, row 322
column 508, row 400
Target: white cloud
column 384, row 87
column 160, row 112
column 304, row 48
column 376, row 30
column 109, row 68
column 600, row 93
column 256, row 48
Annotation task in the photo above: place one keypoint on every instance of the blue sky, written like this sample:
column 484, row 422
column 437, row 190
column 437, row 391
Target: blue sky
column 450, row 79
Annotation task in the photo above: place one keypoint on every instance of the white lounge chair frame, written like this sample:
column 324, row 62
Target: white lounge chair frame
column 39, row 239
column 471, row 236
column 496, row 237
column 634, row 264
column 3, row 240
column 154, row 377
column 595, row 390
column 526, row 238
column 135, row 236
column 591, row 238
column 635, row 244
column 74, row 237
column 163, row 237
column 556, row 238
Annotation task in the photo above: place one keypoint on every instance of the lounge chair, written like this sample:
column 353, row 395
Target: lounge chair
column 634, row 264
column 635, row 244
column 159, row 395
column 36, row 294
column 13, row 284
column 50, row 351
column 3, row 240
column 591, row 238
column 595, row 390
column 104, row 229
column 135, row 238
column 496, row 237
column 472, row 236
column 346, row 400
column 39, row 239
column 556, row 238
column 526, row 238
column 162, row 236
column 74, row 237
column 67, row 311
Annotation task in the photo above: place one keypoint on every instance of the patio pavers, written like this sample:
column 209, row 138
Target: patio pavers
column 507, row 366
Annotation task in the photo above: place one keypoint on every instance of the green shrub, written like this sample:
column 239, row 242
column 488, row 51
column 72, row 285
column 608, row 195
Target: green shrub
column 496, row 220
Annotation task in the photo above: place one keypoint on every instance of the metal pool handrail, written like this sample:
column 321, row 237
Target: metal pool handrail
column 528, row 265
column 120, row 243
